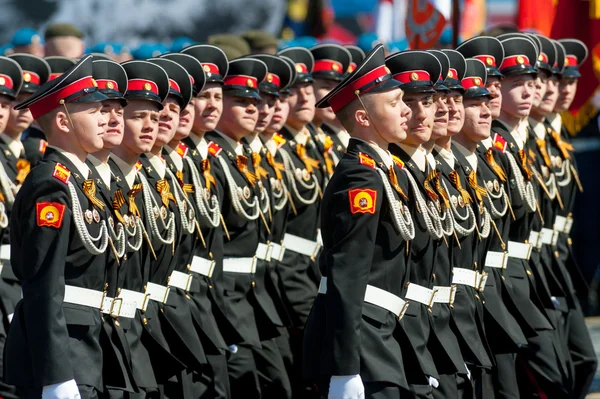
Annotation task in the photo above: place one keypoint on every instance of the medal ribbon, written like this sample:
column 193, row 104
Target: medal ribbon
column 542, row 146
column 259, row 170
column 117, row 202
column 208, row 177
column 89, row 189
column 187, row 188
column 277, row 166
column 23, row 168
column 562, row 145
column 327, row 146
column 479, row 191
column 523, row 159
column 394, row 181
column 441, row 191
column 427, row 186
column 131, row 194
column 455, row 179
column 309, row 163
column 242, row 164
column 489, row 155
column 164, row 189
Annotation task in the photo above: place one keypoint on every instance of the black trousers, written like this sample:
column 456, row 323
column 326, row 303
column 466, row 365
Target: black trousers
column 272, row 374
column 504, row 376
column 243, row 374
column 581, row 351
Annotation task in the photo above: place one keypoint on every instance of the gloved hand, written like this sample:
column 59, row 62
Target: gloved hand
column 468, row 371
column 434, row 383
column 62, row 390
column 346, row 387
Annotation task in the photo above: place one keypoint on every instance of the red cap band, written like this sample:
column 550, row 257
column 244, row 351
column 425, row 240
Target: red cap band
column 273, row 79
column 211, row 69
column 173, row 85
column 107, row 84
column 543, row 58
column 301, row 68
column 6, row 81
column 471, row 81
column 515, row 60
column 488, row 60
column 327, row 66
column 412, row 76
column 54, row 76
column 571, row 60
column 241, row 80
column 452, row 73
column 346, row 95
column 142, row 85
column 31, row 77
column 50, row 102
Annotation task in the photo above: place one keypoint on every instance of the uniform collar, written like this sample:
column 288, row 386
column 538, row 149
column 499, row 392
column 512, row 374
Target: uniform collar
column 236, row 145
column 470, row 156
column 158, row 163
column 430, row 160
column 200, row 144
column 516, row 133
column 174, row 156
column 487, row 143
column 446, row 155
column 254, row 143
column 15, row 146
column 81, row 166
column 102, row 168
column 341, row 134
column 417, row 154
column 128, row 171
column 385, row 155
column 300, row 136
column 271, row 146
column 539, row 129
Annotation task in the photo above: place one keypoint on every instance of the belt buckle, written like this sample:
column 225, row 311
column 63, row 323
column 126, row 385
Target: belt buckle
column 403, row 310
column 482, row 281
column 145, row 302
column 452, row 294
column 253, row 268
column 188, row 283
column 168, row 290
column 102, row 300
column 269, row 252
column 112, row 312
column 431, row 300
column 318, row 247
column 211, row 268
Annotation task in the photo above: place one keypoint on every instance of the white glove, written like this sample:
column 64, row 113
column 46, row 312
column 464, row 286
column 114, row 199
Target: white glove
column 468, row 371
column 434, row 383
column 346, row 387
column 232, row 348
column 62, row 390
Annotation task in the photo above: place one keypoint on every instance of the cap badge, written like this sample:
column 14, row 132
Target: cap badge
column 541, row 58
column 27, row 77
column 270, row 78
column 110, row 85
column 489, row 61
column 387, row 70
column 147, row 86
column 450, row 74
column 2, row 81
column 566, row 62
column 94, row 83
column 477, row 81
column 335, row 67
column 249, row 83
column 299, row 68
column 414, row 76
column 520, row 60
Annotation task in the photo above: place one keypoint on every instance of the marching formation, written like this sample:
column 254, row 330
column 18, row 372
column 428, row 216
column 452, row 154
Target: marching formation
column 318, row 223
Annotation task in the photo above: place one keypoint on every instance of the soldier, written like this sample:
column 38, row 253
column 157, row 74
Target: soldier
column 63, row 280
column 260, row 42
column 356, row 56
column 64, row 40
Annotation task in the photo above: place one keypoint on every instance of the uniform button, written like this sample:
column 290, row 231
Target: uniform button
column 210, row 286
column 503, row 278
column 483, row 302
column 434, row 276
column 189, row 267
column 187, row 296
column 556, row 254
column 254, row 284
column 145, row 321
column 529, row 272
column 210, row 254
column 477, row 296
column 117, row 323
column 569, row 241
column 125, row 257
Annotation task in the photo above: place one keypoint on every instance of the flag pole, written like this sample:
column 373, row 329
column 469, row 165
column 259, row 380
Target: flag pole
column 455, row 22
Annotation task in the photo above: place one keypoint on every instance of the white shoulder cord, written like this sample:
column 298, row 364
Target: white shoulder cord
column 402, row 218
column 264, row 199
column 447, row 222
column 564, row 170
column 485, row 223
column 292, row 178
column 210, row 213
column 469, row 218
column 526, row 191
column 84, row 234
column 151, row 209
column 280, row 196
column 138, row 229
column 118, row 237
column 3, row 216
column 187, row 221
column 500, row 196
column 237, row 195
column 426, row 209
column 8, row 187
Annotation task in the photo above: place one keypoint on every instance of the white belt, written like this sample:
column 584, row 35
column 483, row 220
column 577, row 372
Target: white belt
column 263, row 252
column 277, row 251
column 202, row 266
column 563, row 224
column 420, row 294
column 548, row 236
column 470, row 278
column 497, row 260
column 5, row 252
column 180, row 280
column 1, row 267
column 378, row 297
column 118, row 307
column 239, row 265
column 519, row 250
column 535, row 239
column 140, row 299
column 157, row 292
column 301, row 245
column 84, row 297
column 444, row 294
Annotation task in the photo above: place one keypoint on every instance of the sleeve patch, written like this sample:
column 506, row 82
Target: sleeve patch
column 399, row 163
column 182, row 149
column 362, row 200
column 499, row 142
column 50, row 214
column 279, row 140
column 61, row 173
column 43, row 146
column 214, row 149
column 366, row 160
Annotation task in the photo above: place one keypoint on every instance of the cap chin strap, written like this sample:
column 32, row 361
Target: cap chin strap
column 357, row 93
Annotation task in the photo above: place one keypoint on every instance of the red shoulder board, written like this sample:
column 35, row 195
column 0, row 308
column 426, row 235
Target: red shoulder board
column 362, row 200
column 399, row 163
column 366, row 160
column 50, row 214
column 43, row 145
column 138, row 166
column 279, row 140
column 499, row 142
column 214, row 149
column 61, row 173
column 182, row 149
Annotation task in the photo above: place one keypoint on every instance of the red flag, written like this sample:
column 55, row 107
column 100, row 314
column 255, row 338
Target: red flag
column 424, row 24
column 536, row 15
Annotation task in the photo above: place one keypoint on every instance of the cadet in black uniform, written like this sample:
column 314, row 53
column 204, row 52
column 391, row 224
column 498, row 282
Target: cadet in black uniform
column 242, row 214
column 353, row 344
column 54, row 341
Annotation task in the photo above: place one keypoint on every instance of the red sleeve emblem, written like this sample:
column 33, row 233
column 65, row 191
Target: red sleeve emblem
column 50, row 214
column 362, row 200
column 366, row 160
column 499, row 142
column 61, row 173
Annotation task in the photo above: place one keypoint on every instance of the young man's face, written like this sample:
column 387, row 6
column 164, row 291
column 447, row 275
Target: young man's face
column 421, row 120
column 517, row 95
column 322, row 87
column 239, row 116
column 186, row 119
column 141, row 126
column 113, row 111
column 494, row 86
column 208, row 108
column 567, row 88
column 388, row 114
column 478, row 119
column 440, row 116
column 550, row 96
column 456, row 112
column 168, row 122
column 280, row 114
column 302, row 105
column 5, row 107
column 266, row 109
column 89, row 124
column 19, row 120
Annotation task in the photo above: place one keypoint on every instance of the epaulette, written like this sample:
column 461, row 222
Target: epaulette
column 499, row 142
column 214, row 149
column 61, row 173
column 279, row 140
column 43, row 146
column 138, row 166
column 182, row 149
column 366, row 160
column 399, row 163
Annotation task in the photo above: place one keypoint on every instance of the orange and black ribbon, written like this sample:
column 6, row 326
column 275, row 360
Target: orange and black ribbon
column 489, row 155
column 327, row 146
column 394, row 181
column 564, row 147
column 89, row 189
column 479, row 191
column 117, row 203
column 242, row 164
column 542, row 146
column 441, row 190
column 277, row 166
column 23, row 168
column 427, row 186
column 208, row 177
column 309, row 163
column 455, row 179
column 131, row 194
column 186, row 187
column 164, row 189
column 260, row 172
column 523, row 159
